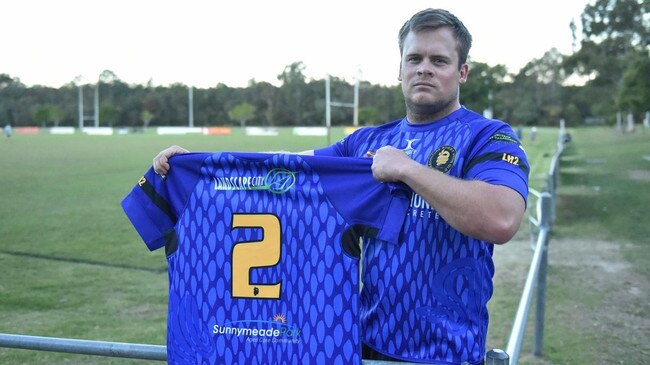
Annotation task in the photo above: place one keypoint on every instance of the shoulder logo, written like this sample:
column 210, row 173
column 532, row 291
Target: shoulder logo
column 503, row 137
column 442, row 159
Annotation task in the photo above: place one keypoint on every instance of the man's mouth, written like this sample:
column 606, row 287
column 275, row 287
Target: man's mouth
column 424, row 84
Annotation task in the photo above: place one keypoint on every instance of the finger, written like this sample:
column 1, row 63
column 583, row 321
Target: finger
column 376, row 173
column 176, row 150
column 161, row 161
column 160, row 167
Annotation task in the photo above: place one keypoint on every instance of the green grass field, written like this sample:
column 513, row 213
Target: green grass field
column 72, row 265
column 598, row 283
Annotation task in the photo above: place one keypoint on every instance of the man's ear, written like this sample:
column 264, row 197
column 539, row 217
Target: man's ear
column 399, row 76
column 464, row 71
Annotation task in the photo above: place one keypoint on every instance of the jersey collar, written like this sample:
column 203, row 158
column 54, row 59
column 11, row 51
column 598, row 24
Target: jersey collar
column 456, row 115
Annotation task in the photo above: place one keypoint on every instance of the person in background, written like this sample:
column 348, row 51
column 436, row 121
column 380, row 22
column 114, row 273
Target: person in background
column 8, row 131
column 425, row 299
column 533, row 134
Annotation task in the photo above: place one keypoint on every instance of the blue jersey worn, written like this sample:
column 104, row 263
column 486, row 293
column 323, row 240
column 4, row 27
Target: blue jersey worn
column 425, row 298
column 263, row 253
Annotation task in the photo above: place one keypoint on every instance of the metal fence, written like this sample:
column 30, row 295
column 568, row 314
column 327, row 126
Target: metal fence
column 144, row 352
column 86, row 347
column 541, row 223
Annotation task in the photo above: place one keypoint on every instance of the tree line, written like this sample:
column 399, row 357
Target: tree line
column 612, row 66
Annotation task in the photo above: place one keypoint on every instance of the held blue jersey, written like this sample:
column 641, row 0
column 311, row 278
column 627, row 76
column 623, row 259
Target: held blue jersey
column 263, row 253
column 425, row 298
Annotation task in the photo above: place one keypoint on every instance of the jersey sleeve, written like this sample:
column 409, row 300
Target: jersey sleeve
column 345, row 147
column 154, row 204
column 335, row 150
column 361, row 199
column 498, row 158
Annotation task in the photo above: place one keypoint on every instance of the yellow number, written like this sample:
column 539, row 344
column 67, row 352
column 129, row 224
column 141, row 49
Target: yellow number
column 249, row 255
column 510, row 159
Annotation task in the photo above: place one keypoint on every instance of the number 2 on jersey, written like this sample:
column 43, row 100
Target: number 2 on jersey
column 249, row 255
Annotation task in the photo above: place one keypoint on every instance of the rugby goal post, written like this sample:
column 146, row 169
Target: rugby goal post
column 329, row 104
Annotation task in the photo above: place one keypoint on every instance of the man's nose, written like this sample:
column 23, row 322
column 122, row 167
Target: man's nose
column 425, row 69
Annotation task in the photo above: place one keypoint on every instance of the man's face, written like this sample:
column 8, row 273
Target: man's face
column 430, row 74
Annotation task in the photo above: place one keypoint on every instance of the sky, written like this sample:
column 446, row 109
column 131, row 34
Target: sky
column 202, row 43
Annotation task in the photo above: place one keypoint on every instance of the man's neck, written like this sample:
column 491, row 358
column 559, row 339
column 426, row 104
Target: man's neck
column 415, row 117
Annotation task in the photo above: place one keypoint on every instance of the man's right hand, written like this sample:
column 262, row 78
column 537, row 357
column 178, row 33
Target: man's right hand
column 161, row 161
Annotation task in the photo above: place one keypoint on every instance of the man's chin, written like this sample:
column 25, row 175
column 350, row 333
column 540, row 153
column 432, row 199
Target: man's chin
column 424, row 98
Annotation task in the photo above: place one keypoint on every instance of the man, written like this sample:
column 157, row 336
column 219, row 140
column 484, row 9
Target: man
column 425, row 299
column 8, row 131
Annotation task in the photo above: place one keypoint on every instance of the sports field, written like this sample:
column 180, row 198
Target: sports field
column 72, row 265
column 598, row 283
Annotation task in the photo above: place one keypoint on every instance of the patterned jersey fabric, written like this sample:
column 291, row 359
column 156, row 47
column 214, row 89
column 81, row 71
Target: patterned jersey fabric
column 425, row 298
column 263, row 253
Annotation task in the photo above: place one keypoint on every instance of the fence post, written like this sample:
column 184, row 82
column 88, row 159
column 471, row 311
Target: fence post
column 545, row 224
column 497, row 357
column 556, row 178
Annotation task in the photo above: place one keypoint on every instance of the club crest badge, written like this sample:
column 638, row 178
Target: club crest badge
column 442, row 159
